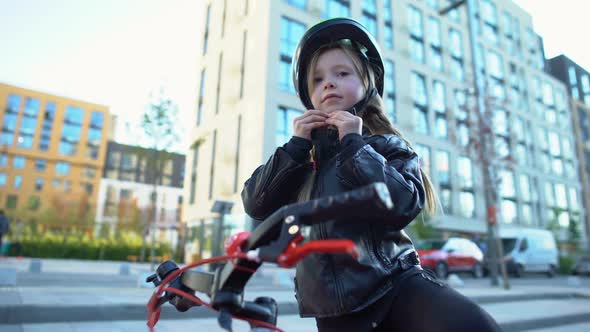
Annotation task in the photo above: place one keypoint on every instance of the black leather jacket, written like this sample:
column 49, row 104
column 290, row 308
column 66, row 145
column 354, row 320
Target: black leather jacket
column 333, row 285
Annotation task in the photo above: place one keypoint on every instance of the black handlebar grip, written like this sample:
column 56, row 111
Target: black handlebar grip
column 370, row 200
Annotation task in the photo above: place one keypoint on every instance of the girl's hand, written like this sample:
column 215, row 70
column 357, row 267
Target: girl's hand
column 345, row 122
column 304, row 124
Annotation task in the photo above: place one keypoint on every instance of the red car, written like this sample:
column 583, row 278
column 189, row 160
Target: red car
column 451, row 255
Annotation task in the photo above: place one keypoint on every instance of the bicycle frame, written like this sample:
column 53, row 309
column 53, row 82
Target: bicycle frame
column 276, row 240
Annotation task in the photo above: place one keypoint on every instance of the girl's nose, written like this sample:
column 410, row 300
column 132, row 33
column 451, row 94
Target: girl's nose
column 329, row 85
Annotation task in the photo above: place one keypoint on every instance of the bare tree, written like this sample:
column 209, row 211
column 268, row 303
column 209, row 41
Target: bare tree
column 160, row 127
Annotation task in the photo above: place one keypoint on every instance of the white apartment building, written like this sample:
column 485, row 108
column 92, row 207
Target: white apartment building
column 246, row 103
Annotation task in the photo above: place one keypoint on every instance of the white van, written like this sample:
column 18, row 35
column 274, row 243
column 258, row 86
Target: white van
column 529, row 250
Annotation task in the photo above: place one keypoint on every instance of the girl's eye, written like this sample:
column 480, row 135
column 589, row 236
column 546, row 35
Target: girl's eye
column 343, row 73
column 317, row 80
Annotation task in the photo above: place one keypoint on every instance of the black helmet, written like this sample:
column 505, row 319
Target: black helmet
column 327, row 32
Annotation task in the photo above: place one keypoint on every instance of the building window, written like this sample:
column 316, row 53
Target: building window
column 337, row 8
column 194, row 174
column 456, row 50
column 490, row 21
column 72, row 129
column 212, row 169
column 201, row 97
column 291, row 33
column 2, row 179
column 423, row 152
column 416, row 34
column 389, row 86
column 40, row 165
column 10, row 116
column 62, row 168
column 420, row 96
column 206, row 34
column 369, row 16
column 49, row 115
column 39, row 184
column 435, row 55
column 387, row 24
column 301, row 4
column 453, row 15
column 18, row 162
column 3, row 159
column 18, row 181
column 11, row 202
column 443, row 175
column 571, row 71
column 28, row 123
column 465, row 172
column 467, row 206
column 440, row 110
column 94, row 134
column 285, row 117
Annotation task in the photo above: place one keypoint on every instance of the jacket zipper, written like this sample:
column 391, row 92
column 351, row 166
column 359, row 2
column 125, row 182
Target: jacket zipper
column 324, row 236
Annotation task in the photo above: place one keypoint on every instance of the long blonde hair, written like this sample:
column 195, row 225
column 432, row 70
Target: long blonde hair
column 373, row 115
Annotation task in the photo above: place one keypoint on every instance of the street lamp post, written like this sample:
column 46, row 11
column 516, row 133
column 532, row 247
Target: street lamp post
column 494, row 247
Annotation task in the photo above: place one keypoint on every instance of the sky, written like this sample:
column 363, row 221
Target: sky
column 115, row 52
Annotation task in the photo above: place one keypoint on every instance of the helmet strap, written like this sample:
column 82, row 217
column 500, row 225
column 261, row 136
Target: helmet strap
column 360, row 106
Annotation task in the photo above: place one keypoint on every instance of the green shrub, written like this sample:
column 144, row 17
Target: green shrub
column 76, row 247
column 566, row 264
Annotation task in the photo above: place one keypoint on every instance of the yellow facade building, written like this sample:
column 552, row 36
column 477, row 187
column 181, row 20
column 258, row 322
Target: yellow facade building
column 52, row 151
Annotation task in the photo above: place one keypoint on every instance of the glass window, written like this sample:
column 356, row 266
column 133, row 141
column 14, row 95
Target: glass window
column 62, row 168
column 435, row 55
column 389, row 86
column 13, row 104
column 525, row 188
column 291, row 33
column 420, row 103
column 438, row 97
column 369, row 16
column 573, row 195
column 442, row 168
column 297, row 3
column 40, row 165
column 39, row 184
column 3, row 159
column 467, row 205
column 560, row 196
column 18, row 181
column 455, row 43
column 34, row 203
column 18, row 162
column 465, row 171
column 423, row 152
column 507, row 184
column 388, row 24
column 337, row 8
column 2, row 179
column 495, row 65
column 285, row 117
column 11, row 202
column 509, row 212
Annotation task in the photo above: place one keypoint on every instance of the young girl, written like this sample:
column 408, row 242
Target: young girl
column 344, row 141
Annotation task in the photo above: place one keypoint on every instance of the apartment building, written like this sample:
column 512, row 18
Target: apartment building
column 52, row 151
column 246, row 103
column 126, row 193
column 577, row 80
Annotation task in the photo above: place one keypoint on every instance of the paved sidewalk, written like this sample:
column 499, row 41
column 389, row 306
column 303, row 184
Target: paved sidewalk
column 44, row 304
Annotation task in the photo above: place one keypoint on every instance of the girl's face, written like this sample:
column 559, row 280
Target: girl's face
column 336, row 84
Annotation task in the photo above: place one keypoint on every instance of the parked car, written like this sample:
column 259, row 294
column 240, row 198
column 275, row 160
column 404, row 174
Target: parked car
column 451, row 255
column 529, row 250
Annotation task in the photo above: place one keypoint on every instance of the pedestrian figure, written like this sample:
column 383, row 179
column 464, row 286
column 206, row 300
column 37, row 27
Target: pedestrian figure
column 343, row 141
